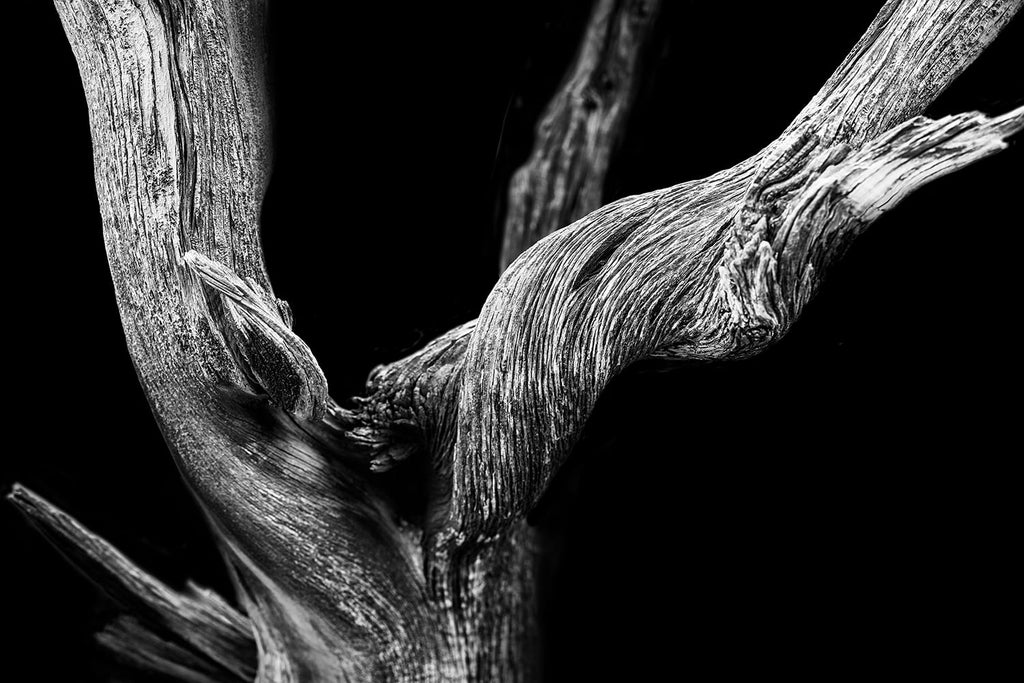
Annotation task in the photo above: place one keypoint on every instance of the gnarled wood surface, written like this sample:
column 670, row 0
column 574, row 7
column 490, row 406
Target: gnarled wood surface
column 203, row 637
column 339, row 580
column 564, row 176
column 689, row 272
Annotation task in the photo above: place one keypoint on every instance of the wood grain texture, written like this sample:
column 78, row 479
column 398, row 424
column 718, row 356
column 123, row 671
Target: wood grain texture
column 143, row 650
column 326, row 567
column 671, row 273
column 340, row 578
column 564, row 177
column 164, row 630
column 178, row 113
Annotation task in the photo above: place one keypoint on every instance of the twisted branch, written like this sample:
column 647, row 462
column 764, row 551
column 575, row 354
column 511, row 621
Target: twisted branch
column 338, row 577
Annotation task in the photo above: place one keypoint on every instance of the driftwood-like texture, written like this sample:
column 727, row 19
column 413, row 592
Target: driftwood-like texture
column 179, row 119
column 695, row 271
column 564, row 177
column 194, row 633
column 340, row 578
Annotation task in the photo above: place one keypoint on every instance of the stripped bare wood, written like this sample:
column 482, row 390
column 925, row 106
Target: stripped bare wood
column 338, row 581
column 563, row 179
column 179, row 118
column 211, row 636
column 642, row 278
column 141, row 650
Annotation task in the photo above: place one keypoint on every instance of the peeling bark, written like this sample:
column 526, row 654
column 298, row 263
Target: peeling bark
column 340, row 579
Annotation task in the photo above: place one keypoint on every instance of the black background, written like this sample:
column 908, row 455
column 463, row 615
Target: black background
column 845, row 503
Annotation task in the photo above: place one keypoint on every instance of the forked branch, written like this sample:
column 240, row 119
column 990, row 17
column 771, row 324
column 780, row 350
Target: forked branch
column 339, row 582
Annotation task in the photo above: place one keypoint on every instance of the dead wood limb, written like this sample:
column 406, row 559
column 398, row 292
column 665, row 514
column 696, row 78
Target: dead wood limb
column 564, row 177
column 178, row 113
column 657, row 274
column 338, row 584
column 140, row 649
column 329, row 572
column 909, row 54
column 194, row 630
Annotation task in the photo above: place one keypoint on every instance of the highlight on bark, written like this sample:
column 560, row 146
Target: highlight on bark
column 338, row 579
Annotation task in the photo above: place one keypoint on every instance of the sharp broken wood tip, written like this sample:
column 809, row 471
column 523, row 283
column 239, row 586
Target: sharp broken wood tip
column 1014, row 120
column 25, row 499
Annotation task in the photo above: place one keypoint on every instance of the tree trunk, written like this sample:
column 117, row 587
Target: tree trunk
column 340, row 578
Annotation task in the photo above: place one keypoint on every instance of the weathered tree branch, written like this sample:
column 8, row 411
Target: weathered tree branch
column 142, row 650
column 563, row 179
column 909, row 54
column 644, row 277
column 179, row 118
column 785, row 239
column 339, row 579
column 170, row 631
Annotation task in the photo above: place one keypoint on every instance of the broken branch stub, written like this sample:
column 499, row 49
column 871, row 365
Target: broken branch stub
column 179, row 120
column 583, row 123
column 192, row 630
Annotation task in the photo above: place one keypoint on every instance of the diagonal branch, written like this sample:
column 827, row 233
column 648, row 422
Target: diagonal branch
column 212, row 638
column 846, row 193
column 657, row 275
column 909, row 54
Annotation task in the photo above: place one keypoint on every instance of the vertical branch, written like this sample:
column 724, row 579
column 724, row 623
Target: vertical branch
column 564, row 177
column 333, row 577
column 178, row 113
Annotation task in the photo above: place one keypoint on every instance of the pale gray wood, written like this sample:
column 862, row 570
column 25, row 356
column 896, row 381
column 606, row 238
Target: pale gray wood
column 142, row 650
column 178, row 113
column 564, row 177
column 668, row 274
column 336, row 583
column 165, row 630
